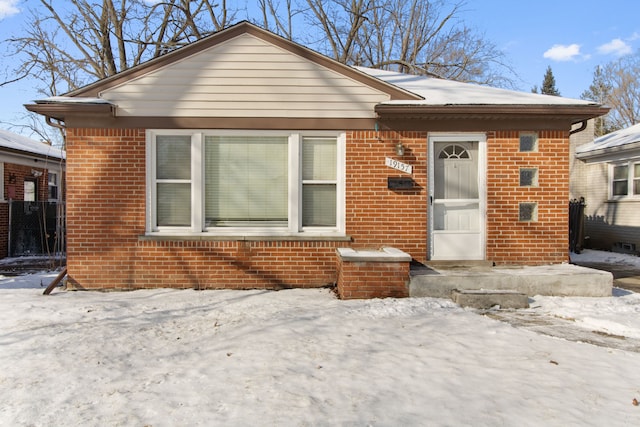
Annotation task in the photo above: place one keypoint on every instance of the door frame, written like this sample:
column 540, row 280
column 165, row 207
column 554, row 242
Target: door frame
column 481, row 138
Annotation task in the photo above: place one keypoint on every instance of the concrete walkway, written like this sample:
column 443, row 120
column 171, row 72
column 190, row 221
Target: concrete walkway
column 439, row 280
column 625, row 277
column 562, row 328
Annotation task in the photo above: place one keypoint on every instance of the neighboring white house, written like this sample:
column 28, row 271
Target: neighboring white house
column 607, row 175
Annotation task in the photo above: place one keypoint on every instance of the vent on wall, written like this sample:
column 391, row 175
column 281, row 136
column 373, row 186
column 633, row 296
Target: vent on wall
column 623, row 247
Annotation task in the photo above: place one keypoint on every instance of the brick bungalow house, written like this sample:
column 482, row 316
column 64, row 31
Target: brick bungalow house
column 247, row 161
column 30, row 171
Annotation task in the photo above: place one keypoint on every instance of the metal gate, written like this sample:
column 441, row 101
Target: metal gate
column 36, row 228
column 576, row 225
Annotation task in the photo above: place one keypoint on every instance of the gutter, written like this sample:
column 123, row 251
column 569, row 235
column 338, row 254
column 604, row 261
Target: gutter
column 583, row 126
column 578, row 113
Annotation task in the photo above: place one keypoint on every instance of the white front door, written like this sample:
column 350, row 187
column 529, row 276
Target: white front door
column 456, row 202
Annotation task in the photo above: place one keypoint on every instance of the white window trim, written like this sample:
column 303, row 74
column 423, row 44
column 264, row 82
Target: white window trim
column 630, row 178
column 198, row 228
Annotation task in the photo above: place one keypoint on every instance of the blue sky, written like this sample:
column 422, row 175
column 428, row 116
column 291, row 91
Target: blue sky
column 571, row 36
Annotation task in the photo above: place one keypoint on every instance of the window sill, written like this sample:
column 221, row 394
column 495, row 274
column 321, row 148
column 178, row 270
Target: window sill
column 158, row 237
column 629, row 199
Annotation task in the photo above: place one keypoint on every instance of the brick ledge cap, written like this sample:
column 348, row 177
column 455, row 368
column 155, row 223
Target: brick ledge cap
column 385, row 254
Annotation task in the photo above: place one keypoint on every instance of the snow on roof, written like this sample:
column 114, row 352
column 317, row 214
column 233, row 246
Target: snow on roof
column 617, row 139
column 22, row 143
column 72, row 100
column 447, row 92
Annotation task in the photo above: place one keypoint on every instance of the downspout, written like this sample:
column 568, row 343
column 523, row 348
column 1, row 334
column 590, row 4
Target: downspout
column 60, row 225
column 583, row 126
column 9, row 229
column 55, row 125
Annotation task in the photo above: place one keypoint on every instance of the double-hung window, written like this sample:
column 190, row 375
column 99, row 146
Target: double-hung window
column 625, row 179
column 232, row 182
column 53, row 186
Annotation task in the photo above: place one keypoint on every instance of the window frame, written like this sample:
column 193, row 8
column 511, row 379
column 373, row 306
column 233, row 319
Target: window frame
column 532, row 207
column 631, row 178
column 534, row 177
column 536, row 139
column 55, row 185
column 295, row 184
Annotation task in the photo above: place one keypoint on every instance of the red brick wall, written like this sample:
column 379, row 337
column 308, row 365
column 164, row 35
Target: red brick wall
column 510, row 241
column 18, row 173
column 375, row 215
column 106, row 215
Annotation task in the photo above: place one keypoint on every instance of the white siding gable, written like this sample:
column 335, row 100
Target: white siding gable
column 245, row 77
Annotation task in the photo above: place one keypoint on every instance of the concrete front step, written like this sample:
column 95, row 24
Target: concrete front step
column 554, row 280
column 487, row 298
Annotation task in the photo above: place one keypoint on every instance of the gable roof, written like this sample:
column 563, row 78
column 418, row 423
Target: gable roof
column 620, row 141
column 216, row 39
column 390, row 97
column 18, row 144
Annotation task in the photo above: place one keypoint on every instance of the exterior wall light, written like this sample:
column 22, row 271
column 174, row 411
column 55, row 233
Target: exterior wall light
column 399, row 148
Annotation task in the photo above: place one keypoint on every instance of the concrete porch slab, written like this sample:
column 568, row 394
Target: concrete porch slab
column 485, row 299
column 554, row 280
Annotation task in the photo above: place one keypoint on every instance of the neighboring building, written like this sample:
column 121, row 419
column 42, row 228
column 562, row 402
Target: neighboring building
column 246, row 161
column 31, row 176
column 609, row 180
column 577, row 168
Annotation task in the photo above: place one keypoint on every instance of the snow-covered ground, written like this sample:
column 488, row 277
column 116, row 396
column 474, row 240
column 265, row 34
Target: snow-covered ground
column 302, row 357
column 591, row 256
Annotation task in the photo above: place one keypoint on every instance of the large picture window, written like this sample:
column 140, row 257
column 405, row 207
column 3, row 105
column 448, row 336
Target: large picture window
column 246, row 181
column 625, row 179
column 231, row 182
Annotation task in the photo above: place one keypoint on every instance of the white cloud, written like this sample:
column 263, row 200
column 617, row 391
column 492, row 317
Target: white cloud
column 559, row 52
column 8, row 8
column 616, row 47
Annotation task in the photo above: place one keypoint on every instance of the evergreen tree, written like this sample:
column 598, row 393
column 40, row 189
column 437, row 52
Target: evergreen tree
column 600, row 91
column 549, row 84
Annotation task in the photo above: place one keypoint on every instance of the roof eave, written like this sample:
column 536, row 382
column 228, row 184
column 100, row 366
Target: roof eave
column 31, row 155
column 61, row 111
column 630, row 149
column 574, row 113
